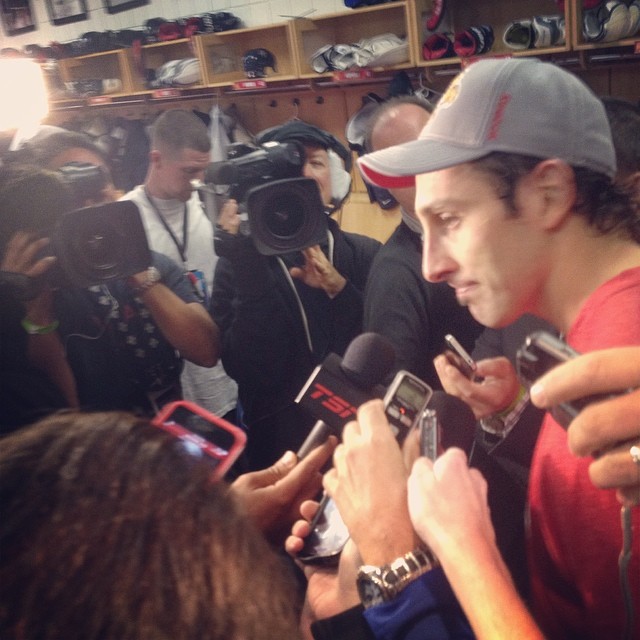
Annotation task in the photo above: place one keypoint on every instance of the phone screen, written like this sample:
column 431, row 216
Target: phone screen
column 203, row 434
column 459, row 358
column 328, row 535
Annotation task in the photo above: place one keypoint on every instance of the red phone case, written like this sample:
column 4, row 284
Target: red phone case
column 233, row 437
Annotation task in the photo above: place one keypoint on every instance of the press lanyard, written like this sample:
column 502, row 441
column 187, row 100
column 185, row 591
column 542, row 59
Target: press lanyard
column 195, row 276
column 181, row 246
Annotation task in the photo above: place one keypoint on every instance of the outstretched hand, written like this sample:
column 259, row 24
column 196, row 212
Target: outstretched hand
column 318, row 272
column 272, row 496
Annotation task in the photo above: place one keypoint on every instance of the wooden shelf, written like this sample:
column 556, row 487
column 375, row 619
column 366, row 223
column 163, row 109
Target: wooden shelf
column 293, row 44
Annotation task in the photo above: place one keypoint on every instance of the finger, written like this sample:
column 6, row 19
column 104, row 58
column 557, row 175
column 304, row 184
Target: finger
column 271, row 475
column 293, row 545
column 629, row 496
column 453, row 381
column 301, row 528
column 41, row 267
column 304, row 479
column 308, row 509
column 350, row 431
column 616, row 469
column 422, row 468
column 602, row 371
column 296, row 272
column 453, row 460
column 411, row 448
column 372, row 419
column 602, row 425
column 330, row 479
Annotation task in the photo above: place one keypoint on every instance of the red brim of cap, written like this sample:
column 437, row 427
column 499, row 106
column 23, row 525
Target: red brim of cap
column 384, row 180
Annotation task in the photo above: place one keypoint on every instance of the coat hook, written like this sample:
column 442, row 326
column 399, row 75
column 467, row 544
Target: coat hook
column 319, row 100
column 273, row 104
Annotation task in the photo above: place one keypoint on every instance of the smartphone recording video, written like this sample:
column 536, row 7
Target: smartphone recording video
column 203, row 434
column 457, row 355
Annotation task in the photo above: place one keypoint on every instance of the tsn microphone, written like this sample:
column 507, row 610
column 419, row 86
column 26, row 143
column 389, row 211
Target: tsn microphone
column 338, row 386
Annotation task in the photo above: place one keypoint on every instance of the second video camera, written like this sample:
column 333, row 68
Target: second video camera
column 284, row 211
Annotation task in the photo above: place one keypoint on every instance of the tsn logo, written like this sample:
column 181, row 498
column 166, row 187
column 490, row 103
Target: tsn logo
column 332, row 401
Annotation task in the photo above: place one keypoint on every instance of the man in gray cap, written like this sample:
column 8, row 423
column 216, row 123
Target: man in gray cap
column 520, row 215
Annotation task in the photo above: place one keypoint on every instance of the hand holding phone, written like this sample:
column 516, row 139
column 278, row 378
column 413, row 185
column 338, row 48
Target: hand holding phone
column 405, row 402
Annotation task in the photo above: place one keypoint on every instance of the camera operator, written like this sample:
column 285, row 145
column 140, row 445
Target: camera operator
column 123, row 340
column 280, row 315
column 35, row 377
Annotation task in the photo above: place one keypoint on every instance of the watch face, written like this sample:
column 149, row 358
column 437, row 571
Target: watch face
column 154, row 275
column 370, row 593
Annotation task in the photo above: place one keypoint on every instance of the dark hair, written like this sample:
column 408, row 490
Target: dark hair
column 41, row 150
column 112, row 530
column 624, row 119
column 180, row 129
column 385, row 107
column 606, row 206
column 32, row 199
column 306, row 134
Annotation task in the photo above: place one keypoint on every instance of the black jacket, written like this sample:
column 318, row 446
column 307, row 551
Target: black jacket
column 412, row 313
column 267, row 321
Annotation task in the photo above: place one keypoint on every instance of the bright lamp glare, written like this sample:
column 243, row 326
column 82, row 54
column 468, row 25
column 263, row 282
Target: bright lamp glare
column 25, row 105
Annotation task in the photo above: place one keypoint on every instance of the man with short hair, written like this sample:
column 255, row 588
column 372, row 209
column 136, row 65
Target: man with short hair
column 177, row 226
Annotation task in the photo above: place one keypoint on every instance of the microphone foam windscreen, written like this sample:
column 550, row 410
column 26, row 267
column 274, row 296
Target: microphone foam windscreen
column 368, row 359
column 457, row 422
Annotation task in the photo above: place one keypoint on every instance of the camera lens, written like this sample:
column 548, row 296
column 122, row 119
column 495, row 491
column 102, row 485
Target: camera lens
column 98, row 247
column 101, row 243
column 284, row 215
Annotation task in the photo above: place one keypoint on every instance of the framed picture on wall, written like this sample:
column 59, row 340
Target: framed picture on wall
column 115, row 6
column 66, row 11
column 17, row 16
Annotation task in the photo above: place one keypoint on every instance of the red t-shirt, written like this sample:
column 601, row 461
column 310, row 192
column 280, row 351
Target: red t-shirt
column 575, row 534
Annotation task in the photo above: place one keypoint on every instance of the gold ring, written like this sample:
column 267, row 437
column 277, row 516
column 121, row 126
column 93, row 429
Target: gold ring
column 635, row 454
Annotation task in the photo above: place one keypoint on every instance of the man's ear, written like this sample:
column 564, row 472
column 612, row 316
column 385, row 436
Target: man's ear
column 154, row 156
column 631, row 183
column 555, row 183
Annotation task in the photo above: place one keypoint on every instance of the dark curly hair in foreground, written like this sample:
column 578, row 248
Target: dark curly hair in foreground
column 111, row 529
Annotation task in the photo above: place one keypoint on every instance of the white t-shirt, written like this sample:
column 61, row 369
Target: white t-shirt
column 211, row 388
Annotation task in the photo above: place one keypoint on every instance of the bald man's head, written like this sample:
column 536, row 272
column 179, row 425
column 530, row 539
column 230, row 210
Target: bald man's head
column 394, row 122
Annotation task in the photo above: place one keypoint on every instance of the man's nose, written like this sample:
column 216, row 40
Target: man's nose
column 436, row 262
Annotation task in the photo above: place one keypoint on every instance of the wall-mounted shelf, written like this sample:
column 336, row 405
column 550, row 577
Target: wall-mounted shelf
column 293, row 44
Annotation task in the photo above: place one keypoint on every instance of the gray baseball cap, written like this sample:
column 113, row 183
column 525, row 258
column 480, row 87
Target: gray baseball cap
column 514, row 105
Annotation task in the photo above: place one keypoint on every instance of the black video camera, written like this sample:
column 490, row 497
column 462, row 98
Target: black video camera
column 101, row 243
column 284, row 211
column 92, row 245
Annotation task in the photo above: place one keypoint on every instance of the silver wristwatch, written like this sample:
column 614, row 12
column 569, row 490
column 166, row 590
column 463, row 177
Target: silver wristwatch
column 381, row 584
column 152, row 277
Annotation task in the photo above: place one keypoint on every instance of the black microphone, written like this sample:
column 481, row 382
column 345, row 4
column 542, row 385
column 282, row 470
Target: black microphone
column 337, row 387
column 456, row 420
